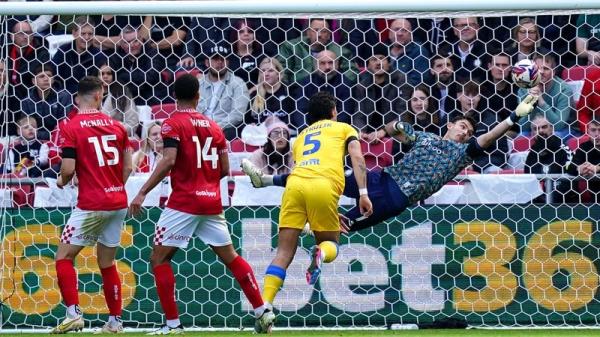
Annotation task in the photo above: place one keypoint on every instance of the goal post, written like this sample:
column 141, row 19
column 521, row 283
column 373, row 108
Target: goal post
column 512, row 247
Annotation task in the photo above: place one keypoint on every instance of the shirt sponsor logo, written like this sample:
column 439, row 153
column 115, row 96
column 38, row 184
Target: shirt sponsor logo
column 205, row 193
column 113, row 189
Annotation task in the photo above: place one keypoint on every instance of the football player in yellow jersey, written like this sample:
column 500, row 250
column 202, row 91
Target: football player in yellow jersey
column 313, row 190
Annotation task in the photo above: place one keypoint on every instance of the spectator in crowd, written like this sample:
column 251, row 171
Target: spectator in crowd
column 586, row 161
column 408, row 56
column 223, row 96
column 45, row 102
column 24, row 54
column 118, row 101
column 381, row 93
column 247, row 54
column 326, row 77
column 587, row 42
column 422, row 112
column 40, row 24
column 472, row 104
column 271, row 96
column 297, row 55
column 360, row 34
column 548, row 155
column 275, row 157
column 555, row 99
column 167, row 35
column 435, row 31
column 444, row 87
column 28, row 155
column 109, row 29
column 145, row 159
column 526, row 41
column 81, row 58
column 588, row 106
column 138, row 68
column 499, row 88
column 468, row 48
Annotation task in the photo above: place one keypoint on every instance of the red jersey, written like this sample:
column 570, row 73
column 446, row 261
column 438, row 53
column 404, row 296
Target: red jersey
column 196, row 175
column 99, row 142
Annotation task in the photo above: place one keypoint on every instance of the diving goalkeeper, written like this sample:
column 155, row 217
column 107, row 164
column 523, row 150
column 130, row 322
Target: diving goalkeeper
column 430, row 163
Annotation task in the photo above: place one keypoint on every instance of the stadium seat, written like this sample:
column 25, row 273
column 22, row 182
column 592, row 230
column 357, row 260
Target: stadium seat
column 521, row 144
column 575, row 142
column 162, row 111
column 237, row 145
column 510, row 171
column 577, row 73
column 377, row 155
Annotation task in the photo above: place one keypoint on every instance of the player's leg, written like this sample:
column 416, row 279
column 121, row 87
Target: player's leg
column 259, row 179
column 82, row 229
column 173, row 231
column 322, row 209
column 106, row 250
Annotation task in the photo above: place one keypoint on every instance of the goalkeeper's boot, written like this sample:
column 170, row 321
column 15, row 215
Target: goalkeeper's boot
column 314, row 270
column 69, row 324
column 253, row 172
column 111, row 327
column 167, row 330
column 264, row 323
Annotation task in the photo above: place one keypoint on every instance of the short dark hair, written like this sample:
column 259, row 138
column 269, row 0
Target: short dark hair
column 595, row 122
column 320, row 106
column 88, row 85
column 186, row 87
column 43, row 67
column 467, row 117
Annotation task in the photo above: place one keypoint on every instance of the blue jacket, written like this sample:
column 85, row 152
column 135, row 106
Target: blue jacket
column 414, row 63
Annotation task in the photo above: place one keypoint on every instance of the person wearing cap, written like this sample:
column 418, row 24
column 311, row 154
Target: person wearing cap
column 381, row 94
column 275, row 157
column 223, row 96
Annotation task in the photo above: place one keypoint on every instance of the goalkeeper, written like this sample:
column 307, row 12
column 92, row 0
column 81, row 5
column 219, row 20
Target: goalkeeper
column 430, row 163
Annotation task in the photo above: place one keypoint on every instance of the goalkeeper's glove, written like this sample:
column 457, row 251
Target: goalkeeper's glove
column 406, row 130
column 523, row 109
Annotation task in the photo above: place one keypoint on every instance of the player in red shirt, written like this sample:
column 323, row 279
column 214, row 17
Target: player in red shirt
column 195, row 152
column 96, row 148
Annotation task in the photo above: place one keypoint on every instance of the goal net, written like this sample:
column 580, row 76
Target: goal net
column 512, row 241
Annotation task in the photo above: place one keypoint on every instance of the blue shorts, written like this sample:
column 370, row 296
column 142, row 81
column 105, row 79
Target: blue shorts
column 385, row 194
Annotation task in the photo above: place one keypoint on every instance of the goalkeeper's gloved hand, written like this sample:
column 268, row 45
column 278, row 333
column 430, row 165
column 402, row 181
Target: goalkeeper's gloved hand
column 406, row 130
column 524, row 108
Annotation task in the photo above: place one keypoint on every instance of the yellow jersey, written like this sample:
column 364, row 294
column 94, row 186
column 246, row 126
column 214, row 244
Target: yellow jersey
column 319, row 151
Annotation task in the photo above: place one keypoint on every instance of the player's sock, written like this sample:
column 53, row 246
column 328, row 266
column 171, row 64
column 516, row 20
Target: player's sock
column 73, row 311
column 244, row 274
column 329, row 251
column 273, row 281
column 114, row 319
column 267, row 180
column 67, row 282
column 279, row 180
column 112, row 290
column 173, row 323
column 165, row 287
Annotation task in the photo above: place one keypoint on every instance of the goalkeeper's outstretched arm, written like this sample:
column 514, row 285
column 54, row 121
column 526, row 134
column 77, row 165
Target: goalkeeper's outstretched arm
column 522, row 110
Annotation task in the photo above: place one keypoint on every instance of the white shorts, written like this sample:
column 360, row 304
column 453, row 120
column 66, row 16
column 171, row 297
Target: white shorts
column 175, row 229
column 85, row 228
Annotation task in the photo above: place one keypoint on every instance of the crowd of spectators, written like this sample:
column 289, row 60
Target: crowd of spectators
column 262, row 72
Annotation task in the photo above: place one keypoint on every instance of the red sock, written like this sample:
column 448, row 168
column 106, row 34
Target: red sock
column 245, row 276
column 112, row 290
column 165, row 287
column 67, row 281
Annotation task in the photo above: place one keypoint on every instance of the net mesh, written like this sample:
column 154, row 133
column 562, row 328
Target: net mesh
column 512, row 241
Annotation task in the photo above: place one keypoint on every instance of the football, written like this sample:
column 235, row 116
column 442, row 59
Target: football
column 525, row 74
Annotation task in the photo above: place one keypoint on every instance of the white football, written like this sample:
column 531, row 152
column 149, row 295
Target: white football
column 525, row 74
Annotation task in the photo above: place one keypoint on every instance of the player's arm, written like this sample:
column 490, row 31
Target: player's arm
column 360, row 174
column 522, row 110
column 127, row 164
column 224, row 161
column 67, row 167
column 160, row 172
column 404, row 132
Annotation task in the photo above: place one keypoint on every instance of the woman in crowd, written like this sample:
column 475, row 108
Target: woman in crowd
column 422, row 112
column 526, row 41
column 275, row 157
column 118, row 101
column 247, row 53
column 145, row 159
column 271, row 96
